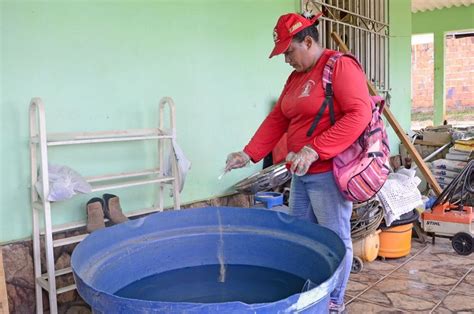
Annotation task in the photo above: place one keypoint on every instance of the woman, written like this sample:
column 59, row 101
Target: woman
column 314, row 194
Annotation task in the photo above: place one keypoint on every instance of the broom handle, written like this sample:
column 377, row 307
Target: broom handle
column 397, row 128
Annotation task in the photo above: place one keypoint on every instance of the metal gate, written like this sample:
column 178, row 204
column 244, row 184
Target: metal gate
column 363, row 26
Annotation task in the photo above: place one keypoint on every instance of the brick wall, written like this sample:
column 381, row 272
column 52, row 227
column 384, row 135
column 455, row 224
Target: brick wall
column 422, row 76
column 459, row 75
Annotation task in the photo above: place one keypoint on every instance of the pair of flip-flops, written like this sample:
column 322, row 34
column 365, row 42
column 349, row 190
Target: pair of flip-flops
column 106, row 207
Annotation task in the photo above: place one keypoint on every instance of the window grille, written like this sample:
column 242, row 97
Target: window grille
column 363, row 26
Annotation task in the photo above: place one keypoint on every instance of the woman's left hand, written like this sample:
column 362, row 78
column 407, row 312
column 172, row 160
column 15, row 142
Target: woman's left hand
column 301, row 161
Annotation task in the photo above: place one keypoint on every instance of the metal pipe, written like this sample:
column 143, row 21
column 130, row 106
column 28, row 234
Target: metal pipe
column 433, row 154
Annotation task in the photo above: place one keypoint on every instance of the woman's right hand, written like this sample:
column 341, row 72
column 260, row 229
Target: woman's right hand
column 236, row 160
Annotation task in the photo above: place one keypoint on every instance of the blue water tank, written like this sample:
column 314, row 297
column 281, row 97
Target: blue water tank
column 114, row 257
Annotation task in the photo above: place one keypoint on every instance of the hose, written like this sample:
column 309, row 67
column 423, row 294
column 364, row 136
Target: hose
column 460, row 191
column 366, row 218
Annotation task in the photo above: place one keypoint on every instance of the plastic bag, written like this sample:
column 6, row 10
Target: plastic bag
column 183, row 163
column 64, row 183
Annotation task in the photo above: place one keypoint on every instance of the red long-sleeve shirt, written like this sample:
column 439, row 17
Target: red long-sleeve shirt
column 299, row 104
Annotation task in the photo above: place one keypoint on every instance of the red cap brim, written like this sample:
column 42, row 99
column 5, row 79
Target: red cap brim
column 316, row 17
column 281, row 47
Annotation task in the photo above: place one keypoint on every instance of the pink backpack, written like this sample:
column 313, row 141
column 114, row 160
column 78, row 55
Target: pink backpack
column 361, row 170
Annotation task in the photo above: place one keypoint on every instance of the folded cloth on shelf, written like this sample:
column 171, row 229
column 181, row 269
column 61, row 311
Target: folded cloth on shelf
column 400, row 194
column 64, row 183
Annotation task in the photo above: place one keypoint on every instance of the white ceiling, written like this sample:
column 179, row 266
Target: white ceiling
column 429, row 5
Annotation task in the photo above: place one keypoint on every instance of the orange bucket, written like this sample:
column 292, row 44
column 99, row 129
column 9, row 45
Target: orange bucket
column 395, row 241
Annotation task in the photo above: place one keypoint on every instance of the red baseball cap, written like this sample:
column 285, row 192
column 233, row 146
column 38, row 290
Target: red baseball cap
column 287, row 26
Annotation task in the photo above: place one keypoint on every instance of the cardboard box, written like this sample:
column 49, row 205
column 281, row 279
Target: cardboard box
column 436, row 137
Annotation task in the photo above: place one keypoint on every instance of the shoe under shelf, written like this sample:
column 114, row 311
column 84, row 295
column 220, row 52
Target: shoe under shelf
column 74, row 138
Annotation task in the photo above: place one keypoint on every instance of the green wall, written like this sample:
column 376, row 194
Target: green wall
column 101, row 65
column 439, row 22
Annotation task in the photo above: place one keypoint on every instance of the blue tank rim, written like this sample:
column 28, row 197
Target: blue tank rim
column 92, row 293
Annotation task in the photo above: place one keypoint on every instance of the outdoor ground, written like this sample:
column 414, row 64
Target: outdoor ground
column 421, row 120
column 431, row 279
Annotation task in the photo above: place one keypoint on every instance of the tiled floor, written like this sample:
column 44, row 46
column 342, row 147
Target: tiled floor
column 431, row 279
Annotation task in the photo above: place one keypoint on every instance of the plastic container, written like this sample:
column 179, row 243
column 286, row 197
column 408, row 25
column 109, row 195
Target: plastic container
column 112, row 258
column 403, row 220
column 395, row 241
column 367, row 248
column 269, row 199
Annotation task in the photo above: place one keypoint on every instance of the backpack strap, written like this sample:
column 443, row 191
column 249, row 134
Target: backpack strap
column 328, row 91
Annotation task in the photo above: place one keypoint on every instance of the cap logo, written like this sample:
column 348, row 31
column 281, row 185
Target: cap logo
column 275, row 35
column 295, row 26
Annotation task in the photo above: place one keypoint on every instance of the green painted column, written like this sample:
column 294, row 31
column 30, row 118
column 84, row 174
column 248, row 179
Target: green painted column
column 400, row 67
column 439, row 107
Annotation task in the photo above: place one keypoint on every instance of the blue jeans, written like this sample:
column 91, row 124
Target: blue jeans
column 316, row 197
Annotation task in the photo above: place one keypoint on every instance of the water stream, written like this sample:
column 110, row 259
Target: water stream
column 220, row 250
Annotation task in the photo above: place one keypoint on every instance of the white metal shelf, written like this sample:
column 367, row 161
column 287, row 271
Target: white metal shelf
column 69, row 240
column 66, row 289
column 75, row 138
column 130, row 183
column 44, row 283
column 121, row 180
column 82, row 223
column 39, row 143
column 122, row 175
column 59, row 272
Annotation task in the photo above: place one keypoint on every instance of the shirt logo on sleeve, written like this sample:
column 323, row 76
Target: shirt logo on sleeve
column 307, row 88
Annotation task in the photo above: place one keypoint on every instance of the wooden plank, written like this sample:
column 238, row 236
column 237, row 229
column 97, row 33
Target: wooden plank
column 398, row 129
column 3, row 288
